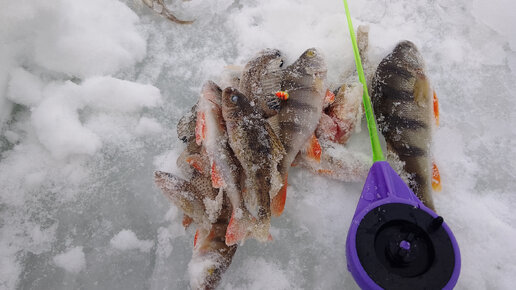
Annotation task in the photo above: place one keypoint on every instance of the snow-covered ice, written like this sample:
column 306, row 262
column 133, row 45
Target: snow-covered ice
column 91, row 92
column 72, row 260
column 127, row 240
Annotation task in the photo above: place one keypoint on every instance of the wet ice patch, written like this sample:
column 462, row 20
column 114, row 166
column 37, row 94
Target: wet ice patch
column 72, row 260
column 127, row 240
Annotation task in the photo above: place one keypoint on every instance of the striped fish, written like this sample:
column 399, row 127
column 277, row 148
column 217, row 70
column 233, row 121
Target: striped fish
column 261, row 78
column 259, row 151
column 304, row 80
column 226, row 171
column 403, row 102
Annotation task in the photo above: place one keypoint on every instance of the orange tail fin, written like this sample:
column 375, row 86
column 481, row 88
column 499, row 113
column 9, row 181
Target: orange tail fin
column 436, row 109
column 314, row 149
column 278, row 202
column 236, row 231
column 436, row 178
column 216, row 179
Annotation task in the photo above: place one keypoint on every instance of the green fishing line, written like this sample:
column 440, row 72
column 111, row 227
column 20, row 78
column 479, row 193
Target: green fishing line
column 371, row 124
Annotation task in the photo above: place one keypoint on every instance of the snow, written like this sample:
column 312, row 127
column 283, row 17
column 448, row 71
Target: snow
column 91, row 92
column 127, row 240
column 72, row 260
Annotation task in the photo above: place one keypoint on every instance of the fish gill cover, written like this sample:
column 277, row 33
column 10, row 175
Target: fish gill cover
column 91, row 93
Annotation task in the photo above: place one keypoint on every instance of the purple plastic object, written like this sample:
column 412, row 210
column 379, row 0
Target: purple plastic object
column 383, row 189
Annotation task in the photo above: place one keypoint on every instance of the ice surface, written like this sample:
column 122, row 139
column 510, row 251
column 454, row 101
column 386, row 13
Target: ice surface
column 91, row 92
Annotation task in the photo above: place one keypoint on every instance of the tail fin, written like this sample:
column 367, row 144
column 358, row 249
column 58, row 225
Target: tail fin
column 237, row 229
column 243, row 226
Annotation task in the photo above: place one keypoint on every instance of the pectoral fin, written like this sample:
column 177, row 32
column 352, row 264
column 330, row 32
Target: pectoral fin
column 329, row 98
column 313, row 149
column 436, row 109
column 196, row 161
column 436, row 178
column 187, row 221
column 422, row 90
column 216, row 178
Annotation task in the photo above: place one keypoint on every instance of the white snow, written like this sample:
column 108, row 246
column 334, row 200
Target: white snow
column 127, row 240
column 91, row 92
column 72, row 260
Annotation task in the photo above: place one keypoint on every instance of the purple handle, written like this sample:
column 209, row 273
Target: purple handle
column 383, row 186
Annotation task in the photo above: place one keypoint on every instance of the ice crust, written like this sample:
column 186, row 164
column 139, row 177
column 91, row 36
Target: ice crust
column 91, row 92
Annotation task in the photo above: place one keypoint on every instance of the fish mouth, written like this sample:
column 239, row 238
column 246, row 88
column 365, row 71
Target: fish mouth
column 212, row 92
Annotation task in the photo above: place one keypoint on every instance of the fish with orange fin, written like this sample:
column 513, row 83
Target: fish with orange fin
column 298, row 116
column 261, row 79
column 223, row 167
column 346, row 111
column 211, row 255
column 406, row 110
column 195, row 196
column 336, row 162
column 259, row 152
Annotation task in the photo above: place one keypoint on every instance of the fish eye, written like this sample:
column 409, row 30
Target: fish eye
column 310, row 53
column 281, row 63
column 234, row 98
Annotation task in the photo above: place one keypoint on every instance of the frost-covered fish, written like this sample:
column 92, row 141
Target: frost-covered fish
column 337, row 162
column 259, row 151
column 225, row 169
column 261, row 78
column 186, row 125
column 403, row 101
column 346, row 111
column 211, row 255
column 195, row 197
column 304, row 80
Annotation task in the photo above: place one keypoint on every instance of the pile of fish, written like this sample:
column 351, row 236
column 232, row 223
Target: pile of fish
column 242, row 140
